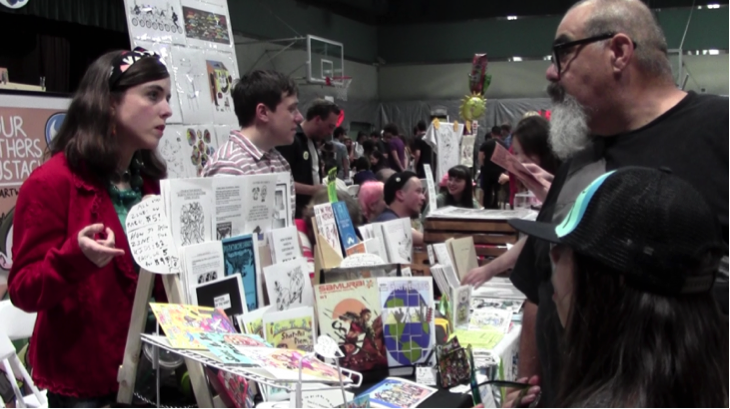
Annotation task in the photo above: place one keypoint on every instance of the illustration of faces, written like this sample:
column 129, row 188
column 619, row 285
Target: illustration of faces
column 200, row 142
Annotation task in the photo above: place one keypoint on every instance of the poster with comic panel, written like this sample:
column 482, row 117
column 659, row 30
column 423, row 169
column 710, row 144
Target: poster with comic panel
column 165, row 51
column 191, row 85
column 174, row 149
column 155, row 20
column 207, row 24
column 222, row 73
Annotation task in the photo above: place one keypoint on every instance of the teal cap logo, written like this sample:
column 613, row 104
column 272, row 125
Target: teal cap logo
column 576, row 213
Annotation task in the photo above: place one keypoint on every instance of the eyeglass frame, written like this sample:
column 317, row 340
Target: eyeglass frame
column 559, row 47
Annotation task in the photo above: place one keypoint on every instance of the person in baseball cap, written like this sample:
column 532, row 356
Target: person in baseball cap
column 633, row 265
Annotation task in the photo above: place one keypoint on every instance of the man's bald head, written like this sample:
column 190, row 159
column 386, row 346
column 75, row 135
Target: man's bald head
column 633, row 18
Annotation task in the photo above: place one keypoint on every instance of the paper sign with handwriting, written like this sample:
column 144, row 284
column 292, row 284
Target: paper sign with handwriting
column 150, row 237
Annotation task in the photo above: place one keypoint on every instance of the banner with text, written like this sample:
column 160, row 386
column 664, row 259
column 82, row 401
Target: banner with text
column 27, row 125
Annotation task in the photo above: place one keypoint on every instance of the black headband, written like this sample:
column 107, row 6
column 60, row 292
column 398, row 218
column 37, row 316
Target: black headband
column 125, row 60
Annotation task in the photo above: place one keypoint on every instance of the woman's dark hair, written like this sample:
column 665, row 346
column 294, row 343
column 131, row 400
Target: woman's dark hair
column 629, row 348
column 362, row 163
column 86, row 134
column 532, row 133
column 467, row 196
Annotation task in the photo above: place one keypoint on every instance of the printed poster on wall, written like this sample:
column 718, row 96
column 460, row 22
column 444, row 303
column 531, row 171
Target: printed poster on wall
column 155, row 20
column 27, row 124
column 207, row 24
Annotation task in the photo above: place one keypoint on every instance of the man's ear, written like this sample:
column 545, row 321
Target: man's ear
column 399, row 195
column 622, row 51
column 262, row 113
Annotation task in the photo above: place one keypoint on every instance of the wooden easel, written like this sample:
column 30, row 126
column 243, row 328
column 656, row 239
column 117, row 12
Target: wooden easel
column 128, row 371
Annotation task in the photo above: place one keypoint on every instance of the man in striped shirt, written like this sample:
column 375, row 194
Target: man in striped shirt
column 266, row 104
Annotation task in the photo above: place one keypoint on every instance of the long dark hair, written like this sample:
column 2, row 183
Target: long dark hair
column 467, row 196
column 86, row 134
column 533, row 133
column 629, row 348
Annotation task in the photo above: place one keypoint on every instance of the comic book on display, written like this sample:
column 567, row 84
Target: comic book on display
column 398, row 393
column 349, row 313
column 408, row 319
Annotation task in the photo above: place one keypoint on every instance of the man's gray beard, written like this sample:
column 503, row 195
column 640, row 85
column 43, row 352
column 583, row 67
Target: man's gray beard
column 568, row 127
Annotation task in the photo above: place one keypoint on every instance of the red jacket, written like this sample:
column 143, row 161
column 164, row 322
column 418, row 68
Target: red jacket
column 83, row 310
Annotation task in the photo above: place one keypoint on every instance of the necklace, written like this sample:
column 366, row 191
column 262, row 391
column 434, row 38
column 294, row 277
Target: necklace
column 125, row 199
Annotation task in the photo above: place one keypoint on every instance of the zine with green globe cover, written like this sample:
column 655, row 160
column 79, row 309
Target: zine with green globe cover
column 408, row 325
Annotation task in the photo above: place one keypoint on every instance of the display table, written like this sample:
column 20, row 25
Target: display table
column 488, row 228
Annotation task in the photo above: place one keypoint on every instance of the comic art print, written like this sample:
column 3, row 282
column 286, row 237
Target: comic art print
column 349, row 313
column 283, row 364
column 399, row 393
column 227, row 347
column 293, row 329
column 408, row 325
column 181, row 322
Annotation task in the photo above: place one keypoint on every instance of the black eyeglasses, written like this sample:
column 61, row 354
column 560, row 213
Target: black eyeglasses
column 560, row 51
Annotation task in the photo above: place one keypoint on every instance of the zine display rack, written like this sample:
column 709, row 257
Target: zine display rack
column 194, row 360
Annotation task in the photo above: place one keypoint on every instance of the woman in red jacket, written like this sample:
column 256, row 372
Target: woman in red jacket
column 72, row 262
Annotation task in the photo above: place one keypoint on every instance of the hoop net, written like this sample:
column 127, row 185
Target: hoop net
column 341, row 85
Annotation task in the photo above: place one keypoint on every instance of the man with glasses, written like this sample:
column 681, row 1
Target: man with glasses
column 616, row 105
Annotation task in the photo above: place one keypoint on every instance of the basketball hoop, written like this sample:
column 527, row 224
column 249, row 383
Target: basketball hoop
column 340, row 84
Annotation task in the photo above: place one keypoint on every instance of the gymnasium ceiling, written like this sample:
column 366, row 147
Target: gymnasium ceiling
column 395, row 12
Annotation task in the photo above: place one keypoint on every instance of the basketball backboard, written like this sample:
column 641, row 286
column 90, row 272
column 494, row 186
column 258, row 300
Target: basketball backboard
column 326, row 59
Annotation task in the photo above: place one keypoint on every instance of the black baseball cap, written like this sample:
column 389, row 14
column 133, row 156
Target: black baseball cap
column 651, row 226
column 395, row 183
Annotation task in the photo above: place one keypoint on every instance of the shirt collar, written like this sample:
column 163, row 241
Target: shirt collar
column 247, row 145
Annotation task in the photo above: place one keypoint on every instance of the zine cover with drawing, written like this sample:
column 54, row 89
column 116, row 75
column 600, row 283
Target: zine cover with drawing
column 253, row 321
column 284, row 243
column 327, row 226
column 180, row 323
column 201, row 146
column 291, row 329
column 408, row 319
column 288, row 285
column 348, row 238
column 398, row 236
column 284, row 201
column 398, row 393
column 349, row 313
column 225, row 293
column 240, row 257
column 229, row 219
column 191, row 201
column 283, row 365
column 226, row 347
column 258, row 202
column 461, row 306
column 173, row 148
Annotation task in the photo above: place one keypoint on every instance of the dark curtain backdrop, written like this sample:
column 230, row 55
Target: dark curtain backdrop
column 106, row 14
column 34, row 47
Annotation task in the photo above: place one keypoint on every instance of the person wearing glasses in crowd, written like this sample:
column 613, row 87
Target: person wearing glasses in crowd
column 615, row 105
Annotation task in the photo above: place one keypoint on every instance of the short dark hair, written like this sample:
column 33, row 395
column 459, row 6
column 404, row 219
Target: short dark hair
column 339, row 131
column 532, row 133
column 260, row 87
column 86, row 135
column 496, row 129
column 322, row 108
column 375, row 134
column 362, row 163
column 506, row 127
column 396, row 182
column 392, row 129
column 421, row 125
column 361, row 134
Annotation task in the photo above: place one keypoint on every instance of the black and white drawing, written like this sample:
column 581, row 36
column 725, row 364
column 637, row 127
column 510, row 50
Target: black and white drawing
column 223, row 230
column 191, row 85
column 156, row 20
column 289, row 292
column 207, row 277
column 192, row 222
column 172, row 150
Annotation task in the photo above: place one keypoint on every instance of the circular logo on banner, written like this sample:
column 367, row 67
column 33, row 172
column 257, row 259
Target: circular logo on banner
column 53, row 125
column 306, row 155
column 14, row 4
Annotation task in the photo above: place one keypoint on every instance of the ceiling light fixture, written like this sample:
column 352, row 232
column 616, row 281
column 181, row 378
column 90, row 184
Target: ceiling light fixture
column 713, row 6
column 511, row 17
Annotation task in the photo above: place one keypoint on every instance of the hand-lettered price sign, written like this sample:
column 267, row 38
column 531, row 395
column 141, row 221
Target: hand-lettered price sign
column 150, row 237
